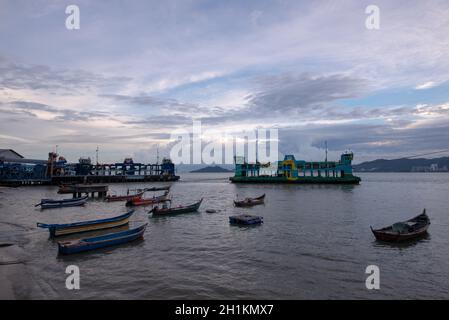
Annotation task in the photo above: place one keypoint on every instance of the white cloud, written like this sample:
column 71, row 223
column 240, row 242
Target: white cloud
column 426, row 85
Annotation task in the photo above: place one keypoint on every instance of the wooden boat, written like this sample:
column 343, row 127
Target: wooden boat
column 176, row 210
column 72, row 202
column 66, row 188
column 245, row 219
column 139, row 201
column 111, row 239
column 84, row 226
column 166, row 188
column 124, row 197
column 403, row 231
column 249, row 202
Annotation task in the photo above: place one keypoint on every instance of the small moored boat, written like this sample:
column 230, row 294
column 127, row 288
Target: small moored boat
column 249, row 202
column 84, row 226
column 139, row 201
column 127, row 197
column 66, row 188
column 245, row 219
column 403, row 231
column 72, row 202
column 111, row 239
column 175, row 210
column 166, row 188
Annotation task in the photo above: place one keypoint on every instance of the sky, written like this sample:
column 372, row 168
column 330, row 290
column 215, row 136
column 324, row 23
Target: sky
column 137, row 71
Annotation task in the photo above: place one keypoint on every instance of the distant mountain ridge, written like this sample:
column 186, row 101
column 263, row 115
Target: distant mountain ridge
column 211, row 169
column 404, row 165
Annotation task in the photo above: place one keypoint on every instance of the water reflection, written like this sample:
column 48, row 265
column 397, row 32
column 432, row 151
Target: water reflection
column 315, row 243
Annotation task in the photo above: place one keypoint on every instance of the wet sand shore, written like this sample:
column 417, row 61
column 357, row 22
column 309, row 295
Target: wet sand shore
column 13, row 273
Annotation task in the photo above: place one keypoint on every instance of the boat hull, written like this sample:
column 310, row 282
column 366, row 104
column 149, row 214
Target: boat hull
column 144, row 202
column 139, row 201
column 411, row 229
column 57, row 230
column 108, row 240
column 172, row 211
column 53, row 206
column 123, row 198
column 250, row 202
column 63, row 189
column 300, row 180
column 245, row 220
column 390, row 237
column 50, row 204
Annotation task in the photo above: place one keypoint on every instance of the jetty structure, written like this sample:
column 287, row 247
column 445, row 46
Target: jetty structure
column 295, row 171
column 15, row 170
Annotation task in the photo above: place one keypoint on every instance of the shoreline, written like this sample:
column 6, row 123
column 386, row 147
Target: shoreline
column 12, row 270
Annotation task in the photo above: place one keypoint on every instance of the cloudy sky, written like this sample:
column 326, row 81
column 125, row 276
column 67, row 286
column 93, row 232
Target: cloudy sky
column 136, row 71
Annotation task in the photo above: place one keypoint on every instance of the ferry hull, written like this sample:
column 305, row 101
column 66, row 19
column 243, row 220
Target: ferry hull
column 300, row 180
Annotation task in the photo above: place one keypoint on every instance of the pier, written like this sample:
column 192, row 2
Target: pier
column 16, row 171
column 79, row 190
column 57, row 180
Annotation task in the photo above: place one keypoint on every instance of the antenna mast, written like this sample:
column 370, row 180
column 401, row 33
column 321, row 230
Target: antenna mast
column 96, row 155
column 257, row 147
column 326, row 150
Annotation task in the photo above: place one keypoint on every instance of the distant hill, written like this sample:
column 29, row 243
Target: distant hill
column 211, row 169
column 404, row 165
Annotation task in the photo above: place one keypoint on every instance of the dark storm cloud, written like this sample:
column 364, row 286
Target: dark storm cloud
column 169, row 121
column 39, row 77
column 153, row 102
column 367, row 139
column 104, row 138
column 303, row 93
column 293, row 96
column 27, row 108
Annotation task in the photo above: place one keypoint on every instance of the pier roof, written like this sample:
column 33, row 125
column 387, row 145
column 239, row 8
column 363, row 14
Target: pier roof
column 10, row 154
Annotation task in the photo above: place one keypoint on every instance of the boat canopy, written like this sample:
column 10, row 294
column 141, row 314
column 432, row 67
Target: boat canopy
column 400, row 227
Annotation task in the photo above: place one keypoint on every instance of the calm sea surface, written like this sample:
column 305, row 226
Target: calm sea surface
column 315, row 243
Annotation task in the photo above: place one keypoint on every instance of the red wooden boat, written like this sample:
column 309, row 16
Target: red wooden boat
column 66, row 188
column 124, row 197
column 403, row 231
column 139, row 201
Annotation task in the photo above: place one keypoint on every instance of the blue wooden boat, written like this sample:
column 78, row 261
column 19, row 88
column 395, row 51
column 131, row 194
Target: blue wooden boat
column 72, row 202
column 84, row 226
column 245, row 219
column 111, row 239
